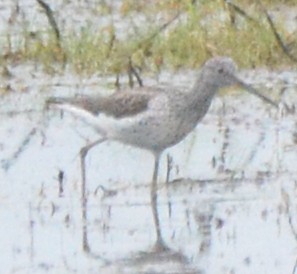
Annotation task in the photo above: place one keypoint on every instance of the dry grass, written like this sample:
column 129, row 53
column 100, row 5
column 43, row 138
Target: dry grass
column 203, row 29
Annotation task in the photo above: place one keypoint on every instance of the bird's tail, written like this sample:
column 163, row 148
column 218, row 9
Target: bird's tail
column 75, row 106
column 54, row 101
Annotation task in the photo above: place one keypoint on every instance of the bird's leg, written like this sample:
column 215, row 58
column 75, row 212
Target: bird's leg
column 159, row 245
column 84, row 199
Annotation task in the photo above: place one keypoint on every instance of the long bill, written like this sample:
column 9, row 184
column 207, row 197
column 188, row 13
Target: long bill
column 253, row 91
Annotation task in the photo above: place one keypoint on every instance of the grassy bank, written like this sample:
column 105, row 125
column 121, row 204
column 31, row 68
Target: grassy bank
column 189, row 33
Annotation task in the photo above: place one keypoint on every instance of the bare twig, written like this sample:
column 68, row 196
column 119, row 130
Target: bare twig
column 51, row 19
column 276, row 34
column 61, row 182
column 6, row 164
column 286, row 199
column 162, row 28
column 132, row 71
column 54, row 25
column 146, row 45
column 111, row 44
column 240, row 11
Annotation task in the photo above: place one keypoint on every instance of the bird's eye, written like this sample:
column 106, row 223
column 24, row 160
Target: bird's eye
column 220, row 70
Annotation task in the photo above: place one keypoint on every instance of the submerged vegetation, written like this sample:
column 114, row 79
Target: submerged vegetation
column 168, row 34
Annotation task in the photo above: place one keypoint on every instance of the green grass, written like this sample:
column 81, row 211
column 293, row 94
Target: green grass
column 202, row 30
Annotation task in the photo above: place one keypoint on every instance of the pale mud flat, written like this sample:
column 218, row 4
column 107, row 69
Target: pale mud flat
column 228, row 203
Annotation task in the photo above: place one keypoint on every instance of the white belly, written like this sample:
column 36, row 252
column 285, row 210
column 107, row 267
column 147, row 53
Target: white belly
column 154, row 131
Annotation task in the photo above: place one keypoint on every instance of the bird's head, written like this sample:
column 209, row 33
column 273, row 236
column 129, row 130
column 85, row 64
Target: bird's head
column 221, row 73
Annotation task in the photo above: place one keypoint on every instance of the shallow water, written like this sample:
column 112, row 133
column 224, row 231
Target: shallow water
column 229, row 204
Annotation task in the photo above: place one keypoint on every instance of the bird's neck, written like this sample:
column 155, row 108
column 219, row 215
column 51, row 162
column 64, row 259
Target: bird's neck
column 203, row 92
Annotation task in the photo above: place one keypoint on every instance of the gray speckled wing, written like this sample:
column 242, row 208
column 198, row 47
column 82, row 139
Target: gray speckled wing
column 125, row 104
column 119, row 105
